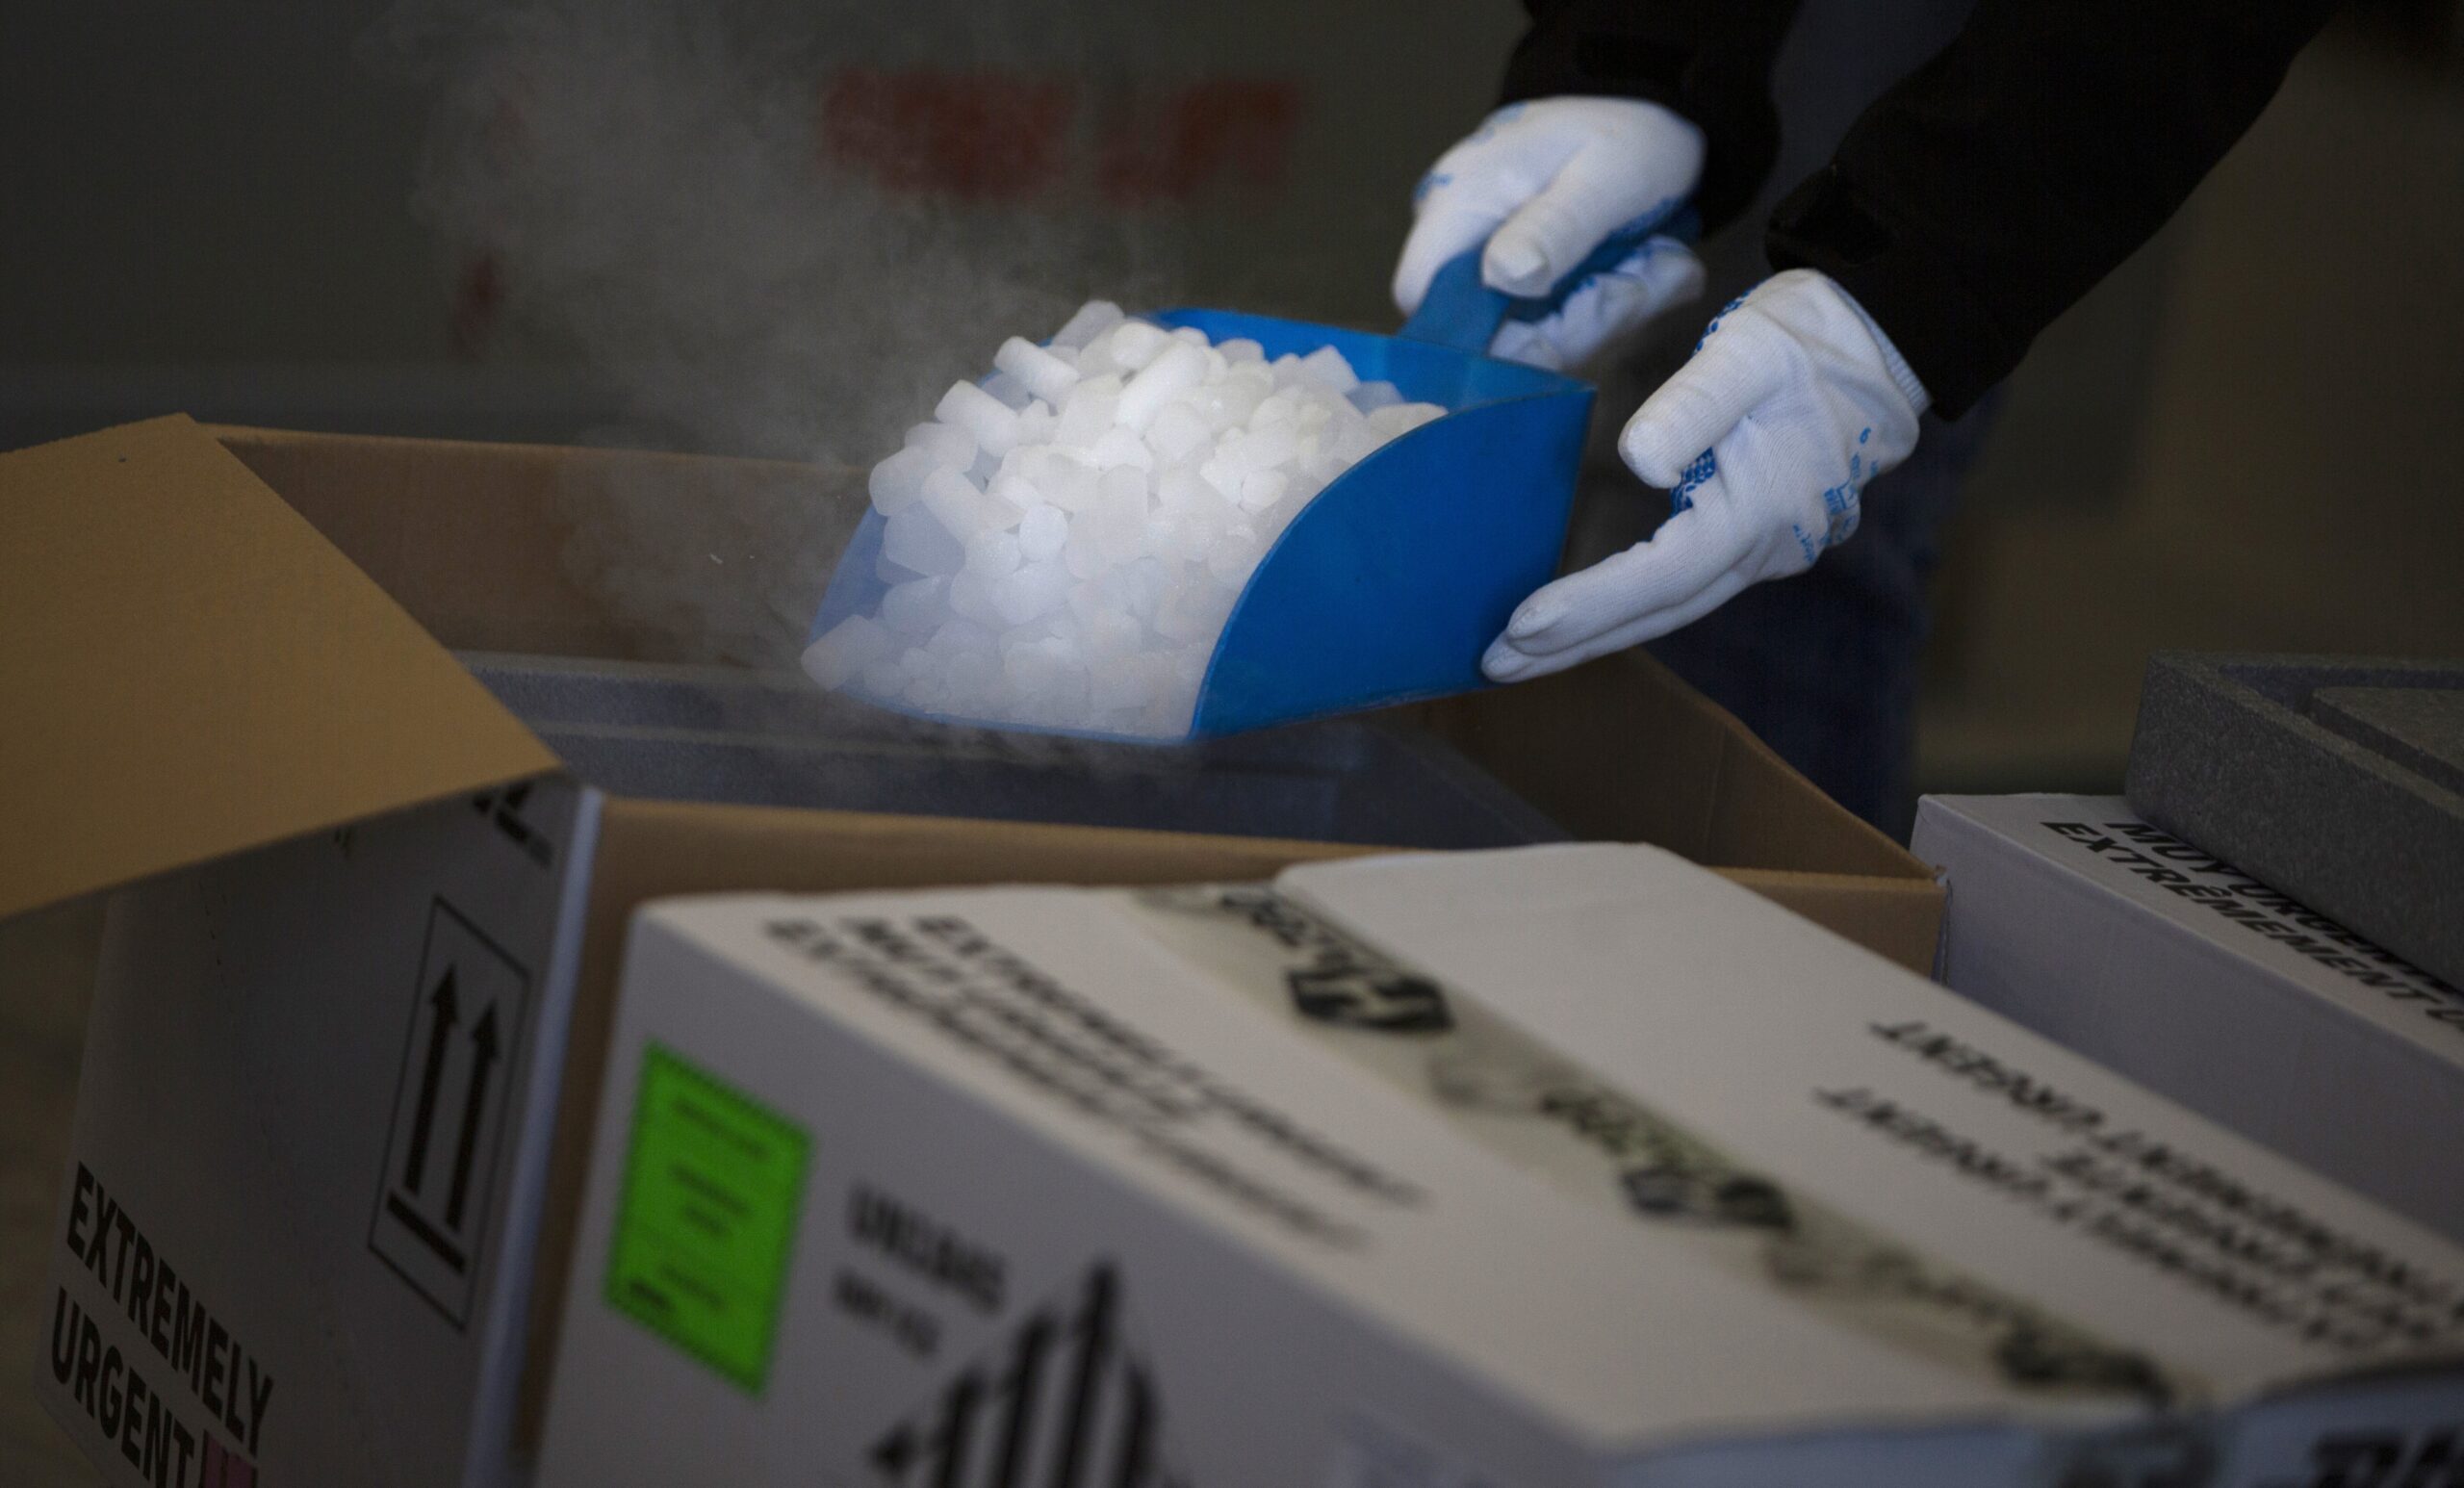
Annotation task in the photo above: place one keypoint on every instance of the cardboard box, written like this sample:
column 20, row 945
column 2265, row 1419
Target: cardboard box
column 2074, row 916
column 1556, row 1166
column 226, row 658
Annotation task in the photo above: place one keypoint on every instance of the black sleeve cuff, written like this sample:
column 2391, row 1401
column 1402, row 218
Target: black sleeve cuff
column 1715, row 75
column 1947, row 333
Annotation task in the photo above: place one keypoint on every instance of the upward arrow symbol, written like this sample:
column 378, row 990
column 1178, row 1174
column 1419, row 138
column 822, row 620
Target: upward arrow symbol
column 447, row 1011
column 484, row 1058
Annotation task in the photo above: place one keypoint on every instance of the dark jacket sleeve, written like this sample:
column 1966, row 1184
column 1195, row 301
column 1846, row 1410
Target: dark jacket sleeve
column 1707, row 60
column 1993, row 188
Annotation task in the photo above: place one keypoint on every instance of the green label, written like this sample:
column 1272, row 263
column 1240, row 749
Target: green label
column 713, row 1184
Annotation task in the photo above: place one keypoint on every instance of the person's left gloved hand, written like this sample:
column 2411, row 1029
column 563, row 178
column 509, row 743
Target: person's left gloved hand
column 1792, row 401
column 1537, row 187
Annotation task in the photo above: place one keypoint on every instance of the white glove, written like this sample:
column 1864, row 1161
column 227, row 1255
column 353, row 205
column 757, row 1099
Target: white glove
column 1542, row 184
column 1792, row 401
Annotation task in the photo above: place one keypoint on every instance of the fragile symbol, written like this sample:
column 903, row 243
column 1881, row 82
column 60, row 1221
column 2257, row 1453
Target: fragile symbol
column 448, row 1110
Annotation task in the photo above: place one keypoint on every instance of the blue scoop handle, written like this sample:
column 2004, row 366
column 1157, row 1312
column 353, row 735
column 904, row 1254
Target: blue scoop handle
column 1463, row 312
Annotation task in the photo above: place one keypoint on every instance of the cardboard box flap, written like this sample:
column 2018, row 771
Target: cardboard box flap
column 188, row 668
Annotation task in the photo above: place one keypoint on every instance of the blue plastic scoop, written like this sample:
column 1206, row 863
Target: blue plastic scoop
column 1389, row 585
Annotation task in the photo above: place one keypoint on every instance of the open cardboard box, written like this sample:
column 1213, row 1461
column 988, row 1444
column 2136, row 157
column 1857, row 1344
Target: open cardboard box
column 224, row 657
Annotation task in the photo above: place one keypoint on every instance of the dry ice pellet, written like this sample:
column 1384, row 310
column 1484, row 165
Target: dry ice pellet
column 1063, row 542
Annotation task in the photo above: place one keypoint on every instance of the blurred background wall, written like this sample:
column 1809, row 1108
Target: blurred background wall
column 2251, row 436
column 353, row 216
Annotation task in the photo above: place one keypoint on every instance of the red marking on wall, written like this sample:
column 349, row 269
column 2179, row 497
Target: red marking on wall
column 1002, row 136
column 976, row 136
column 1171, row 148
column 478, row 302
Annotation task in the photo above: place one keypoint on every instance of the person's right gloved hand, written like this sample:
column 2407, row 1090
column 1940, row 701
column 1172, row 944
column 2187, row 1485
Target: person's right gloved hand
column 1542, row 184
column 1764, row 440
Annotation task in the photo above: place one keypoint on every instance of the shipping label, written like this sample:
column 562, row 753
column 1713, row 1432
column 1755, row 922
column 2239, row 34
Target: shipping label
column 705, row 1223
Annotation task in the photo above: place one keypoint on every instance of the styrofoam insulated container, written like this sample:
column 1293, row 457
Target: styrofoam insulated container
column 767, row 738
column 1390, row 585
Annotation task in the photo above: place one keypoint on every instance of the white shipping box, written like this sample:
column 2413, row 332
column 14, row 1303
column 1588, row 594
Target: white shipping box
column 1567, row 1166
column 296, row 1238
column 2112, row 938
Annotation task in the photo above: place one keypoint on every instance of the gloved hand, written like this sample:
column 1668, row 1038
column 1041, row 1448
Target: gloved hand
column 1543, row 183
column 1792, row 401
